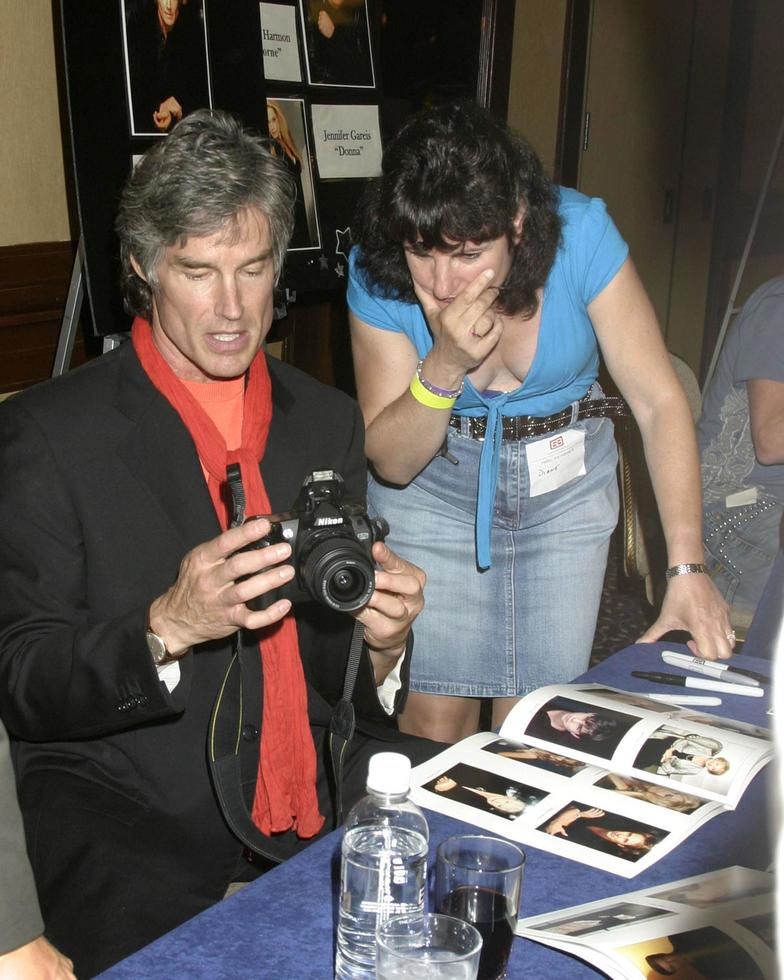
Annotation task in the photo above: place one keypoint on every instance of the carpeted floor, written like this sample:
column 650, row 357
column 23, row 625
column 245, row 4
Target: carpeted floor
column 624, row 612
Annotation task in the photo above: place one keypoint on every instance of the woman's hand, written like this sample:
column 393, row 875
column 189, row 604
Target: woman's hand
column 693, row 603
column 464, row 332
column 557, row 826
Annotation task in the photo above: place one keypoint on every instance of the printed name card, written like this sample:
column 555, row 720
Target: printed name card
column 279, row 43
column 347, row 140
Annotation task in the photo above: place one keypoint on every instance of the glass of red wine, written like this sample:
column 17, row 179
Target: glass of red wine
column 479, row 879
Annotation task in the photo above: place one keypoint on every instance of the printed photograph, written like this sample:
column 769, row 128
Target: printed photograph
column 166, row 64
column 640, row 789
column 629, row 698
column 337, row 43
column 286, row 127
column 699, row 954
column 541, row 758
column 613, row 917
column 485, row 791
column 578, row 725
column 685, row 756
column 609, row 833
column 730, row 885
column 729, row 725
column 763, row 926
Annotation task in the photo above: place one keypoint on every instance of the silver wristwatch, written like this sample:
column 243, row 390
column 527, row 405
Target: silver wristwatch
column 685, row 568
column 157, row 648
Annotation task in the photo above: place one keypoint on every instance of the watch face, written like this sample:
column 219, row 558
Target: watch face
column 156, row 646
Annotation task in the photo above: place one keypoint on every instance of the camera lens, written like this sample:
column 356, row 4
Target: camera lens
column 339, row 574
column 346, row 583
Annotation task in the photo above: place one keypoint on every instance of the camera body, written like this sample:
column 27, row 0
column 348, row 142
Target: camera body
column 331, row 545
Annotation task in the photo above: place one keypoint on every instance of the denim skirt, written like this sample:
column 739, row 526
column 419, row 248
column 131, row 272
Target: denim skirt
column 530, row 618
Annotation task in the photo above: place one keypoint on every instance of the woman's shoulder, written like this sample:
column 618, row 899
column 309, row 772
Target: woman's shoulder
column 370, row 302
column 592, row 248
column 577, row 210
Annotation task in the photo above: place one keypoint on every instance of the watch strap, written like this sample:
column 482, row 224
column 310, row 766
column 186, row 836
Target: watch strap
column 686, row 568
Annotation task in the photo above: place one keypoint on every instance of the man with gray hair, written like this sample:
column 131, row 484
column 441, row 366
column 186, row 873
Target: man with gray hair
column 169, row 704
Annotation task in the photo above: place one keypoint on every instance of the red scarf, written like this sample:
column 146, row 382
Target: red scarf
column 286, row 781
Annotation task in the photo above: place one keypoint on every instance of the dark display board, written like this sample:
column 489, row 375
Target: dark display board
column 133, row 67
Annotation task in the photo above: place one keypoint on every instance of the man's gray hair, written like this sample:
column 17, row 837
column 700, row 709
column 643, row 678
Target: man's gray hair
column 197, row 181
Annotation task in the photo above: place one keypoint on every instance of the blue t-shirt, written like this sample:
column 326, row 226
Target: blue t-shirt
column 566, row 361
column 754, row 348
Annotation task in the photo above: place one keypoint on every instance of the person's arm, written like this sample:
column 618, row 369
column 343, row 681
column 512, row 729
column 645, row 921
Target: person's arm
column 36, row 960
column 24, row 953
column 634, row 351
column 65, row 671
column 704, row 743
column 557, row 826
column 766, row 415
column 403, row 435
column 623, row 785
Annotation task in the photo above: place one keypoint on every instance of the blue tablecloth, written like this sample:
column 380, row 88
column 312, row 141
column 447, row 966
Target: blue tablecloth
column 283, row 925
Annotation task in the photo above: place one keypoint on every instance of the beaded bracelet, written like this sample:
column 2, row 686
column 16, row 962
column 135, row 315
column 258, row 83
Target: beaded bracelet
column 441, row 392
column 428, row 398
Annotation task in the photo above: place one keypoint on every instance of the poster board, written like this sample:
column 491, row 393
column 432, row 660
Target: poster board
column 116, row 76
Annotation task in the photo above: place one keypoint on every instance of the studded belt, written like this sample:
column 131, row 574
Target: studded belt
column 516, row 427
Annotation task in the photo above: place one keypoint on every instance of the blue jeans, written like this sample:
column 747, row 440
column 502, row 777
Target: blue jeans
column 740, row 546
column 530, row 619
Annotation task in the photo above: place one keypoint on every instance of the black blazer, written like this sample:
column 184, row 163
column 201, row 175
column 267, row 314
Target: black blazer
column 103, row 495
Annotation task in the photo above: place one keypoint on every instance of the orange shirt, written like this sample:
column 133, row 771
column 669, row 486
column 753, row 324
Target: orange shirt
column 223, row 403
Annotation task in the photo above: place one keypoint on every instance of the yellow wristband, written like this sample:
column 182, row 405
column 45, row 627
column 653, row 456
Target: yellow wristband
column 425, row 397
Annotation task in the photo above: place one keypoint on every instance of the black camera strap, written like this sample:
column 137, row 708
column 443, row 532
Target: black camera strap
column 342, row 723
column 223, row 752
column 234, row 479
column 225, row 739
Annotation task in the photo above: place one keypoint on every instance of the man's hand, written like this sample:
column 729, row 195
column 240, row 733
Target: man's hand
column 325, row 24
column 167, row 113
column 208, row 599
column 693, row 603
column 37, row 960
column 394, row 605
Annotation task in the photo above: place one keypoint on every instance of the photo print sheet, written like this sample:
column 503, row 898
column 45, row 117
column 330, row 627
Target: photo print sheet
column 590, row 772
column 715, row 926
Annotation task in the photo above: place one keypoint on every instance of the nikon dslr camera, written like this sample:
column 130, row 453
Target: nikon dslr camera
column 330, row 542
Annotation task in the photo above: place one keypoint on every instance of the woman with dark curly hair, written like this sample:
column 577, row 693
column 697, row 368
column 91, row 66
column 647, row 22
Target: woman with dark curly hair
column 481, row 295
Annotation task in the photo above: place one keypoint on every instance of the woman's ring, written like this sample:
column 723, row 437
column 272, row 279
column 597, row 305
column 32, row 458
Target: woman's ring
column 731, row 636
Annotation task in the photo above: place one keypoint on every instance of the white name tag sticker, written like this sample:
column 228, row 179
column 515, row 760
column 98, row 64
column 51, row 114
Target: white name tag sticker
column 555, row 460
column 742, row 498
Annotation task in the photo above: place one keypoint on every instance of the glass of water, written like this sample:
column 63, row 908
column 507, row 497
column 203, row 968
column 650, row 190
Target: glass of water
column 421, row 946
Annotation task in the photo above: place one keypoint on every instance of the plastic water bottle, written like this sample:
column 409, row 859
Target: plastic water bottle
column 384, row 864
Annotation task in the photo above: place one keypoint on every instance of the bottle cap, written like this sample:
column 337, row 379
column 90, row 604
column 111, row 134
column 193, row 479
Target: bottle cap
column 389, row 772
